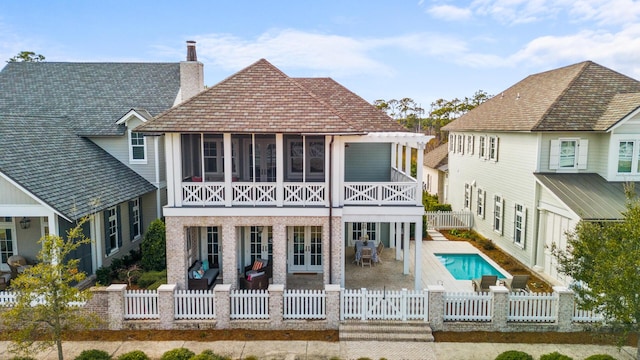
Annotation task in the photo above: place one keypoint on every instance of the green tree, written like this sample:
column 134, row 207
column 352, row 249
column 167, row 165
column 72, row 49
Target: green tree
column 154, row 247
column 47, row 301
column 409, row 114
column 27, row 56
column 603, row 259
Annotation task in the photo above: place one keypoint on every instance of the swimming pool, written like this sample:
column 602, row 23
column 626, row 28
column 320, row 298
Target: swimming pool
column 467, row 266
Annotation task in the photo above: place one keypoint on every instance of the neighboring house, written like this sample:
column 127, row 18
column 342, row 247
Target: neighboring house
column 436, row 169
column 262, row 165
column 68, row 151
column 551, row 150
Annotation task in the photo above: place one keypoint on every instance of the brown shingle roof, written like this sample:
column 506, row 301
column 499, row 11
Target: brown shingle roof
column 579, row 97
column 437, row 157
column 262, row 99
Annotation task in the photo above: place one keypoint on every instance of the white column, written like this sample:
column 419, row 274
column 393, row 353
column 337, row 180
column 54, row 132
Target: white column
column 228, row 168
column 398, row 240
column 407, row 160
column 392, row 235
column 407, row 231
column 417, row 266
column 170, row 166
column 156, row 151
column 419, row 174
column 279, row 170
column 394, row 155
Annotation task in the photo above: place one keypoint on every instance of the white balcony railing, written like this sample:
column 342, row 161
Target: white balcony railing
column 298, row 194
column 380, row 193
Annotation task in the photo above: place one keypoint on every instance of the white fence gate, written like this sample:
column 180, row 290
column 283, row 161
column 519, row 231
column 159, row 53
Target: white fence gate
column 439, row 220
column 384, row 305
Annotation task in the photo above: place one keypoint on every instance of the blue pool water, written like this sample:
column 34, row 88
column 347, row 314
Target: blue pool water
column 467, row 266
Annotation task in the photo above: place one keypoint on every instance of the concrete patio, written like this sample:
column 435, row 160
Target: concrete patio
column 388, row 274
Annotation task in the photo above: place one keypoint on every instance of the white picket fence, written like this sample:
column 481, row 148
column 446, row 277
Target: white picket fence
column 7, row 298
column 305, row 304
column 141, row 304
column 249, row 304
column 384, row 305
column 439, row 220
column 586, row 316
column 194, row 304
column 468, row 306
column 532, row 307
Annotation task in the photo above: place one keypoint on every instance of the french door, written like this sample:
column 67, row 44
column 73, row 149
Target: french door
column 258, row 243
column 265, row 160
column 7, row 240
column 305, row 248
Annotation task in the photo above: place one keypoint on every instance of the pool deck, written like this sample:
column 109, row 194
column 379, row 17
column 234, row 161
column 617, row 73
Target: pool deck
column 435, row 273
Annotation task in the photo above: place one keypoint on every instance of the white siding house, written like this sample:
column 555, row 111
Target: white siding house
column 551, row 150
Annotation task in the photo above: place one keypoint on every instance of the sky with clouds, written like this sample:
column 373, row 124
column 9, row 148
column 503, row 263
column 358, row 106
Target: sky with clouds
column 422, row 49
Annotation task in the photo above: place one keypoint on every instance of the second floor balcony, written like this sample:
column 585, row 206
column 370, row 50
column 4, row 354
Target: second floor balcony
column 286, row 170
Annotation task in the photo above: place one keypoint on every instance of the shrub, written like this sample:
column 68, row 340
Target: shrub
column 251, row 357
column 93, row 355
column 555, row 356
column 209, row 355
column 134, row 355
column 154, row 248
column 22, row 358
column 600, row 357
column 514, row 355
column 150, row 277
column 178, row 354
column 103, row 276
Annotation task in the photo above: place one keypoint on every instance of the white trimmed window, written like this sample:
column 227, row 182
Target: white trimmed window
column 482, row 147
column 470, row 144
column 628, row 157
column 136, row 226
column 481, row 203
column 452, row 143
column 213, row 246
column 460, row 144
column 492, row 151
column 112, row 229
column 498, row 214
column 137, row 148
column 519, row 224
column 467, row 195
column 568, row 154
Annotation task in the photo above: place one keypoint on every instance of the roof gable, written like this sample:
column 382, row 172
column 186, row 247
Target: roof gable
column 437, row 157
column 93, row 96
column 69, row 173
column 262, row 99
column 578, row 97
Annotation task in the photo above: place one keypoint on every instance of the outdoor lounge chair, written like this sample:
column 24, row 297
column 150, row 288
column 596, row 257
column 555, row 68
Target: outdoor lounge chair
column 518, row 283
column 379, row 250
column 482, row 285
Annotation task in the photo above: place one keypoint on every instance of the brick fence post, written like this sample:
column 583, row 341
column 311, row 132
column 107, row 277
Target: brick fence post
column 276, row 305
column 565, row 308
column 436, row 307
column 166, row 305
column 116, row 306
column 333, row 305
column 223, row 305
column 500, row 295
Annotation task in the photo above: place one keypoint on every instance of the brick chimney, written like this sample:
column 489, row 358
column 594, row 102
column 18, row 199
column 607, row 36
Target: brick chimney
column 191, row 75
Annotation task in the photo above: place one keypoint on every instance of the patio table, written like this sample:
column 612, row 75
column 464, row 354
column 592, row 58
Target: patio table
column 359, row 244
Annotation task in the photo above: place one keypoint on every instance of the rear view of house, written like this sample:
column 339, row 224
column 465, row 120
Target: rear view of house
column 288, row 170
column 68, row 150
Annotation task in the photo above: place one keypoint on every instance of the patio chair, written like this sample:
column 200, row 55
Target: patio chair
column 482, row 285
column 518, row 283
column 379, row 251
column 367, row 255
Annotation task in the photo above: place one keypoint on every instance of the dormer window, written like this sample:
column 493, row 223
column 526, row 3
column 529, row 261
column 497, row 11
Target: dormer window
column 137, row 148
